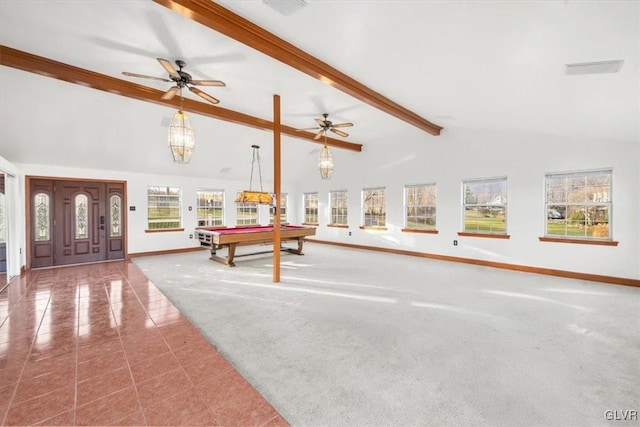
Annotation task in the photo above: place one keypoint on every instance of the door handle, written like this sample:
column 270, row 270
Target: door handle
column 101, row 222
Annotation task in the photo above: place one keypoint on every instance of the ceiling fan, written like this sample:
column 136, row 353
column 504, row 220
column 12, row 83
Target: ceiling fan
column 325, row 124
column 182, row 79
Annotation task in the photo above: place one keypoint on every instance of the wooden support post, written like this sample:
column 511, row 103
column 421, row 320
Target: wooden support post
column 276, row 188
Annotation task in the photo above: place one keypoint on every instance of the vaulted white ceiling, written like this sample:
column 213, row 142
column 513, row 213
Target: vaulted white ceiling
column 461, row 65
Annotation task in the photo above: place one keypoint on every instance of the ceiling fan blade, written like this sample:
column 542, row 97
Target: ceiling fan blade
column 167, row 66
column 306, row 129
column 170, row 93
column 339, row 132
column 204, row 95
column 319, row 134
column 342, row 125
column 218, row 83
column 145, row 77
column 320, row 122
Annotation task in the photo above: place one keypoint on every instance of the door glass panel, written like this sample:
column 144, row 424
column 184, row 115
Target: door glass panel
column 82, row 229
column 116, row 216
column 43, row 208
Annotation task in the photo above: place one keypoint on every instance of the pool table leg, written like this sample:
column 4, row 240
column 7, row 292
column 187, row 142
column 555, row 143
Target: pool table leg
column 292, row 250
column 229, row 259
column 231, row 254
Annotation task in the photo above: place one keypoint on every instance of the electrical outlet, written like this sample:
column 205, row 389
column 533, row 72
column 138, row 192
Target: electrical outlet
column 191, row 236
column 455, row 243
column 349, row 233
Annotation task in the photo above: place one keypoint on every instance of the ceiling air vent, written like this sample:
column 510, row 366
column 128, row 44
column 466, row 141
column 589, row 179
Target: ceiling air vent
column 285, row 7
column 600, row 67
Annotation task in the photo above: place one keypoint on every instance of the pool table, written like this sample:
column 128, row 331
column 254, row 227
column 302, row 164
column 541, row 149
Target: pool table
column 231, row 237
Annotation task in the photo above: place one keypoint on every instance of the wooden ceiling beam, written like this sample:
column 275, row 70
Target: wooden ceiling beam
column 224, row 21
column 36, row 64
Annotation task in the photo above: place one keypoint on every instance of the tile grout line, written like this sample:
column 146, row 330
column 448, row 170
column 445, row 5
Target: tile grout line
column 124, row 350
column 75, row 373
column 171, row 349
column 35, row 336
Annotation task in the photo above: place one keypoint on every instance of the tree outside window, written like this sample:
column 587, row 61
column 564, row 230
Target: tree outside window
column 374, row 207
column 485, row 206
column 338, row 206
column 310, row 201
column 578, row 204
column 420, row 207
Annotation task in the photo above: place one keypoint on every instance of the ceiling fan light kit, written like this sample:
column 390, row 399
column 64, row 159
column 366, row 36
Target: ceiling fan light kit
column 182, row 138
column 325, row 161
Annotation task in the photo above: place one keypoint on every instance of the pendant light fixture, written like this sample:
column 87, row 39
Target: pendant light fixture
column 182, row 137
column 255, row 197
column 325, row 162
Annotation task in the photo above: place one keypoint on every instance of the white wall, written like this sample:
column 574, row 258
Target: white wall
column 14, row 191
column 138, row 240
column 457, row 155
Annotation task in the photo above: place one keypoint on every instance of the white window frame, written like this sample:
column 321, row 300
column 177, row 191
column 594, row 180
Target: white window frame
column 171, row 201
column 341, row 196
column 427, row 206
column 284, row 199
column 306, row 207
column 488, row 204
column 247, row 207
column 567, row 208
column 207, row 222
column 383, row 197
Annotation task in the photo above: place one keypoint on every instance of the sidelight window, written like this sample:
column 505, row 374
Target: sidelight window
column 82, row 216
column 115, row 209
column 42, row 207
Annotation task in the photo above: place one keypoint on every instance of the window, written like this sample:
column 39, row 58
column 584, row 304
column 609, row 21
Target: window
column 246, row 213
column 338, row 205
column 210, row 206
column 82, row 216
column 42, row 208
column 485, row 206
column 283, row 209
column 578, row 204
column 115, row 208
column 420, row 207
column 310, row 202
column 163, row 208
column 374, row 202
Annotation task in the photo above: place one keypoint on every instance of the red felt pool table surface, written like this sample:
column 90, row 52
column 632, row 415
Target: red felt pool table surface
column 252, row 229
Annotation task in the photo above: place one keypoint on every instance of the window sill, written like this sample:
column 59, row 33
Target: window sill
column 163, row 230
column 315, row 224
column 337, row 226
column 579, row 241
column 369, row 227
column 486, row 235
column 417, row 230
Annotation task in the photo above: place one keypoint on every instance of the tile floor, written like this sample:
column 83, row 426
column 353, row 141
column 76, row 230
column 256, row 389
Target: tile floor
column 99, row 344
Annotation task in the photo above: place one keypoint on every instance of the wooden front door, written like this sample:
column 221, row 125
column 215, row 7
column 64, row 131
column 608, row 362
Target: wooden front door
column 75, row 222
